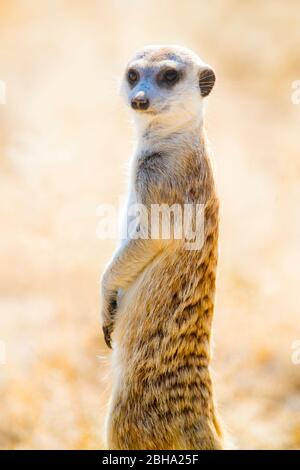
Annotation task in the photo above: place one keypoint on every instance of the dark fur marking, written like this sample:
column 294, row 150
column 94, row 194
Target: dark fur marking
column 206, row 81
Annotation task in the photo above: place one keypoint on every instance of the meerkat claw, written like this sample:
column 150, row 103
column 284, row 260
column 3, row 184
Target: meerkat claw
column 107, row 335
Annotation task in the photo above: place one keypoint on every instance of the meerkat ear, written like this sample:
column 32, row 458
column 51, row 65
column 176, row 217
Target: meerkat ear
column 207, row 80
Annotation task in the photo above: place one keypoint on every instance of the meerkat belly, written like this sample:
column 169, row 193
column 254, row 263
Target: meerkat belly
column 162, row 355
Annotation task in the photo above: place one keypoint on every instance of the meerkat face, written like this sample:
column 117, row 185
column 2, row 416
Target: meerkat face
column 164, row 81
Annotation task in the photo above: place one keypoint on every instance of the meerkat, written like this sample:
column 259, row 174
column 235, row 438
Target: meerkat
column 158, row 296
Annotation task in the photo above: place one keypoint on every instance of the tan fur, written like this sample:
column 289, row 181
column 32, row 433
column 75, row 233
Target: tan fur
column 161, row 326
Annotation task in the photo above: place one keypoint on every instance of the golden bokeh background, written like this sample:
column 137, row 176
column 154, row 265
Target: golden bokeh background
column 65, row 139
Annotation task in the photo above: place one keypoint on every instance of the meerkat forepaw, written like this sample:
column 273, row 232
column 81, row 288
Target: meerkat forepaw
column 109, row 307
column 107, row 331
column 108, row 313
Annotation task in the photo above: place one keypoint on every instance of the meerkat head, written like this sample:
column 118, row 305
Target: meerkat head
column 164, row 83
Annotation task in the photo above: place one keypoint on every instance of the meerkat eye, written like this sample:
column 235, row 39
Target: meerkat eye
column 170, row 76
column 132, row 76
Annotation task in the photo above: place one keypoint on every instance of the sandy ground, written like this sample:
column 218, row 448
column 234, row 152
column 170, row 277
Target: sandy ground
column 65, row 139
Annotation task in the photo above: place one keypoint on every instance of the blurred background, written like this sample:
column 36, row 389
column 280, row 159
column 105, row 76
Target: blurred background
column 65, row 139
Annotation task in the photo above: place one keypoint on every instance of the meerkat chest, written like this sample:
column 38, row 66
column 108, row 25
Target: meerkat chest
column 150, row 167
column 155, row 180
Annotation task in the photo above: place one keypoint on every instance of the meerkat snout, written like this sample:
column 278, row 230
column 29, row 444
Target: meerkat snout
column 167, row 80
column 140, row 101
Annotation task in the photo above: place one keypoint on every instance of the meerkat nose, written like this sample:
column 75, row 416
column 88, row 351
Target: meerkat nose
column 140, row 102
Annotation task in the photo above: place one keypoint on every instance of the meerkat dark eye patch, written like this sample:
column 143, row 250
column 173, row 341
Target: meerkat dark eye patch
column 207, row 80
column 168, row 77
column 132, row 77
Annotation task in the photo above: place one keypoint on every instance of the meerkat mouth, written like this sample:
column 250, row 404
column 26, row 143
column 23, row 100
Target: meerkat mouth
column 146, row 111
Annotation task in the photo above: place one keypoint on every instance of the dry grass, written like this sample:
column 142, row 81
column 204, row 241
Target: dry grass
column 64, row 142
